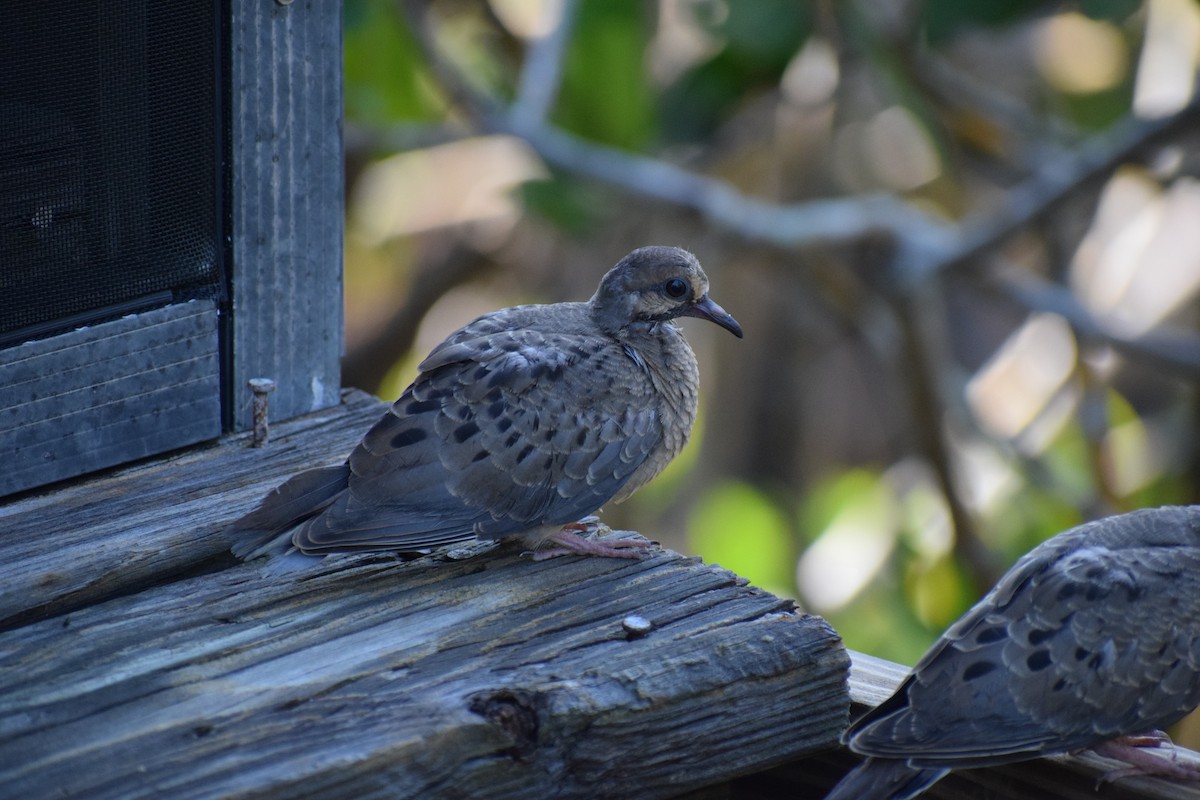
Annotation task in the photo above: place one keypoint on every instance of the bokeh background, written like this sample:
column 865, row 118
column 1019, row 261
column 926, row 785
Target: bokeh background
column 963, row 237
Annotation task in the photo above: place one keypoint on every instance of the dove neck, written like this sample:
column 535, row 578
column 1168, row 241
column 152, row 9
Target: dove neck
column 660, row 352
column 612, row 312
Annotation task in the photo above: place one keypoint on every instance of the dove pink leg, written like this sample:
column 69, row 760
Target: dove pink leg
column 571, row 543
column 1133, row 750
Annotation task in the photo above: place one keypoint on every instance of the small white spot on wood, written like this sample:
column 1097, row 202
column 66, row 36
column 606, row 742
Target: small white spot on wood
column 636, row 626
column 317, row 387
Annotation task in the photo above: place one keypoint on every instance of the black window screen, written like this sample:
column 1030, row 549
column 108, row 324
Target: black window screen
column 109, row 160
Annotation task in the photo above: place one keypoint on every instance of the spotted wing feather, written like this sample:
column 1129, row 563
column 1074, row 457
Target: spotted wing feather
column 1094, row 634
column 506, row 429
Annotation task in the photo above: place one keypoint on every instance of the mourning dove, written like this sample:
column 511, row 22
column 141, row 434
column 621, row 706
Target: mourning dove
column 519, row 424
column 1091, row 640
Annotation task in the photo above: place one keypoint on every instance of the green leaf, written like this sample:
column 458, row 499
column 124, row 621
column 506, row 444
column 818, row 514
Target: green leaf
column 938, row 593
column 759, row 40
column 562, row 202
column 385, row 77
column 605, row 95
column 1100, row 110
column 853, row 521
column 700, row 99
column 830, row 497
column 1068, row 461
column 880, row 622
column 942, row 18
column 740, row 528
column 763, row 36
column 1112, row 10
column 1029, row 518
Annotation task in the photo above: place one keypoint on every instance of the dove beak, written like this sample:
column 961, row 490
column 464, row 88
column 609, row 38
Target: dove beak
column 705, row 308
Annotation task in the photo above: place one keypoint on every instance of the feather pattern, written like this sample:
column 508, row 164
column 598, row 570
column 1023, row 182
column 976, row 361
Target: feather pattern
column 522, row 421
column 1093, row 635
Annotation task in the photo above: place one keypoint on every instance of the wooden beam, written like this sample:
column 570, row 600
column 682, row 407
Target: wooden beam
column 494, row 676
column 139, row 661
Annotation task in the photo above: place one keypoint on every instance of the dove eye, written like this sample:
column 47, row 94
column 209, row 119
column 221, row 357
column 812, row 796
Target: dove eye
column 676, row 288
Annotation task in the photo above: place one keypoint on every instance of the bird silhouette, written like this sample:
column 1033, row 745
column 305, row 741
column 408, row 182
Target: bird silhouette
column 521, row 423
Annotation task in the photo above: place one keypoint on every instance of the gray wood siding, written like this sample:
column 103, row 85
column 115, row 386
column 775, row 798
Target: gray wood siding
column 108, row 393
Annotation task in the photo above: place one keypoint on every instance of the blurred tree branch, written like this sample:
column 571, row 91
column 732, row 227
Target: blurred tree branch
column 1171, row 351
column 925, row 401
column 1052, row 163
column 541, row 74
column 925, row 245
column 922, row 256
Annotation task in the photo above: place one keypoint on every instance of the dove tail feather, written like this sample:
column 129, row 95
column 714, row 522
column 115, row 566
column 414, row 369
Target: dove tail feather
column 267, row 529
column 885, row 779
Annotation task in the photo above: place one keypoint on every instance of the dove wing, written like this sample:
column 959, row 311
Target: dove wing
column 1094, row 634
column 507, row 428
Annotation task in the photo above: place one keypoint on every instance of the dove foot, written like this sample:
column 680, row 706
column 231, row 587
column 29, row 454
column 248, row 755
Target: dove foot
column 571, row 543
column 1147, row 739
column 1133, row 750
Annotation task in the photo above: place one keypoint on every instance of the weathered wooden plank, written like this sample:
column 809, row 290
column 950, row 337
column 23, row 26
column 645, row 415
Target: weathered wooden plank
column 287, row 209
column 108, row 393
column 365, row 676
column 492, row 676
column 136, row 525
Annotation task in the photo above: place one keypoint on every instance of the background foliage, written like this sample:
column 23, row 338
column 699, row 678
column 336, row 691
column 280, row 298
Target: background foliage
column 961, row 236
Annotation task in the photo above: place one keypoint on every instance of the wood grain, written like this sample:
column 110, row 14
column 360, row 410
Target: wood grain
column 493, row 676
column 108, row 393
column 133, row 526
column 138, row 661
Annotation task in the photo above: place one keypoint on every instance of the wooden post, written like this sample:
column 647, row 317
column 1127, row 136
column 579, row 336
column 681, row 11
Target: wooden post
column 287, row 204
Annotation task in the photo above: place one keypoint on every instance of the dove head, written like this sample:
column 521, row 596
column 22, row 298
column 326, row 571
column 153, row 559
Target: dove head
column 656, row 284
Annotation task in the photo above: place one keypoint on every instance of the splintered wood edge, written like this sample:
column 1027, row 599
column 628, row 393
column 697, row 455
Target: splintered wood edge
column 873, row 680
column 246, row 680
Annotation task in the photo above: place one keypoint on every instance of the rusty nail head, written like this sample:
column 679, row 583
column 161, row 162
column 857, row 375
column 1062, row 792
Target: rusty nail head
column 261, row 385
column 636, row 626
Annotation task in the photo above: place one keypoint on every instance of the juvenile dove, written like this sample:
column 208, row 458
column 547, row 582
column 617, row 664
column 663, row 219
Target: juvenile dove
column 1091, row 640
column 519, row 424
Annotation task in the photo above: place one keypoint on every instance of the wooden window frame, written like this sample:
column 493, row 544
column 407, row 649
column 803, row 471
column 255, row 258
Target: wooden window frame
column 176, row 375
